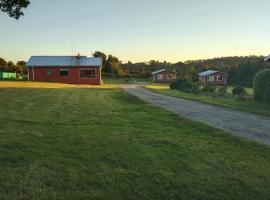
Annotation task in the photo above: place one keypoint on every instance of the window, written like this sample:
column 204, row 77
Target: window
column 220, row 78
column 168, row 76
column 64, row 72
column 49, row 72
column 160, row 77
column 210, row 78
column 87, row 73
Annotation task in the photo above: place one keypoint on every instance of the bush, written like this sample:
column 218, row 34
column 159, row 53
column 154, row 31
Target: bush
column 185, row 86
column 222, row 91
column 261, row 86
column 209, row 87
column 239, row 91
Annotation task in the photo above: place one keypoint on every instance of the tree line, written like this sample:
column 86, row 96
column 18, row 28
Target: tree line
column 9, row 66
column 241, row 70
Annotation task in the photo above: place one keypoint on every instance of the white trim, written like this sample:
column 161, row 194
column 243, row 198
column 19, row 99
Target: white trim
column 27, row 73
column 220, row 76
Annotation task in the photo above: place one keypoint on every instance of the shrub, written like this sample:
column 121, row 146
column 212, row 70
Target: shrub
column 185, row 86
column 239, row 91
column 261, row 86
column 209, row 87
column 222, row 91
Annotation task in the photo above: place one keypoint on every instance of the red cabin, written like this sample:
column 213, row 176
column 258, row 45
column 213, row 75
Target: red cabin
column 211, row 76
column 65, row 69
column 163, row 76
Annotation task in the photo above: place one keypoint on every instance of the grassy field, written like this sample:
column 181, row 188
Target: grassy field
column 29, row 84
column 99, row 143
column 229, row 102
column 248, row 90
column 124, row 80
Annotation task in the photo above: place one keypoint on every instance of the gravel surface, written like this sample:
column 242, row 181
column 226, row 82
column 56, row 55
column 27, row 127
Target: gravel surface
column 247, row 125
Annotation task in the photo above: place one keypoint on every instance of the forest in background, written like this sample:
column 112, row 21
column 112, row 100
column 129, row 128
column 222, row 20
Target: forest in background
column 241, row 70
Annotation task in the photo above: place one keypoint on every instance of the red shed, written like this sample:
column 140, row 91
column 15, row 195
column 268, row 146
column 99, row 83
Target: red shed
column 163, row 76
column 65, row 69
column 211, row 76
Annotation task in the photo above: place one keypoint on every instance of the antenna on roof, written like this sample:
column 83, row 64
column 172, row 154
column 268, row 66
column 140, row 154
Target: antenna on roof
column 71, row 44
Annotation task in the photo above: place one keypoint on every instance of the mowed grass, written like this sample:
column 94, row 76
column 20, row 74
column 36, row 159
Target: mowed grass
column 85, row 143
column 230, row 102
column 250, row 91
column 38, row 85
column 108, row 80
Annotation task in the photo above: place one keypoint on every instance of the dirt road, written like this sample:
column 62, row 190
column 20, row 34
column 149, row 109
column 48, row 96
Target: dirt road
column 247, row 125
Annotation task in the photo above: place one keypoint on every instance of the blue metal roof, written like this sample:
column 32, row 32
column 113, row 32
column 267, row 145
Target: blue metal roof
column 157, row 72
column 267, row 58
column 208, row 72
column 72, row 61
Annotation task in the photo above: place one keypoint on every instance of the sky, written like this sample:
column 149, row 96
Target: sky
column 138, row 30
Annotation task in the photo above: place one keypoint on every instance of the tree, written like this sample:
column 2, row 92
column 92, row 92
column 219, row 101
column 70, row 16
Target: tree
column 10, row 64
column 14, row 7
column 21, row 66
column 3, row 62
column 113, row 65
column 18, row 69
column 21, row 63
column 262, row 86
column 101, row 55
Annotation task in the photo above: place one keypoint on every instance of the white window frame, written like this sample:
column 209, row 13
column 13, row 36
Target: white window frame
column 160, row 76
column 210, row 78
column 222, row 77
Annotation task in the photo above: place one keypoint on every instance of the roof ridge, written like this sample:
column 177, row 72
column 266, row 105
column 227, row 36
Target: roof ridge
column 61, row 56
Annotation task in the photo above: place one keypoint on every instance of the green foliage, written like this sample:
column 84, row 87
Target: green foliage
column 185, row 86
column 9, row 66
column 209, row 87
column 239, row 91
column 101, row 55
column 21, row 63
column 248, row 105
column 241, row 70
column 3, row 64
column 244, row 73
column 14, row 8
column 110, row 65
column 113, row 65
column 221, row 91
column 266, row 98
column 262, row 86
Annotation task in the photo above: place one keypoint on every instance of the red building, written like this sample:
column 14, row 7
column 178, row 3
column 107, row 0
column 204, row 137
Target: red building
column 163, row 76
column 211, row 76
column 65, row 69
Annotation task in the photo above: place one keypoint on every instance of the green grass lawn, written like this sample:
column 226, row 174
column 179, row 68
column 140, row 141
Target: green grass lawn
column 107, row 80
column 229, row 102
column 248, row 90
column 82, row 143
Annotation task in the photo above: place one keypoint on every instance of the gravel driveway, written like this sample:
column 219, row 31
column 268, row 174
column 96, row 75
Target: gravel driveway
column 247, row 125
